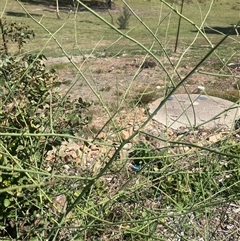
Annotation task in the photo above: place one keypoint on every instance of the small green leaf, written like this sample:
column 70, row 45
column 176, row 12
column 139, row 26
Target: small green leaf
column 6, row 203
column 26, row 64
column 20, row 148
column 144, row 213
column 43, row 88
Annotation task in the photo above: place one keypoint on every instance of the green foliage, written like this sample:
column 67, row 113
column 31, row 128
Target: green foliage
column 29, row 105
column 179, row 182
column 144, row 154
column 16, row 33
column 123, row 19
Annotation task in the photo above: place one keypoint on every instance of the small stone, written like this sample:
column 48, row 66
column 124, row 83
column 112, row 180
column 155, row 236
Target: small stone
column 101, row 135
column 94, row 147
column 127, row 146
column 201, row 88
column 215, row 138
column 60, row 203
column 66, row 167
column 182, row 130
column 124, row 154
column 124, row 135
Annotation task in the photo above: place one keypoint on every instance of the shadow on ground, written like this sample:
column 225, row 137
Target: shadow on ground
column 64, row 5
column 19, row 14
column 221, row 30
column 94, row 4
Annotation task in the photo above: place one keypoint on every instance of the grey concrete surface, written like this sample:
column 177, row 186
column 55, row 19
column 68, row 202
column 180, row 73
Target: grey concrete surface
column 194, row 109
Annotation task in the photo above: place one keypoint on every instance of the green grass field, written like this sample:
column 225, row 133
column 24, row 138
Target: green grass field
column 82, row 32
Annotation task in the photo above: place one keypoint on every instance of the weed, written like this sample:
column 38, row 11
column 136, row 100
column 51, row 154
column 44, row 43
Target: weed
column 56, row 185
column 236, row 6
column 144, row 95
column 105, row 88
column 143, row 99
column 123, row 20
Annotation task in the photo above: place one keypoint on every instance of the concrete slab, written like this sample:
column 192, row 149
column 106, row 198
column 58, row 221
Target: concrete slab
column 194, row 109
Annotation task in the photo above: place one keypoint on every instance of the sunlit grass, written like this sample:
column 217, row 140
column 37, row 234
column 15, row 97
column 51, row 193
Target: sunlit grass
column 82, row 32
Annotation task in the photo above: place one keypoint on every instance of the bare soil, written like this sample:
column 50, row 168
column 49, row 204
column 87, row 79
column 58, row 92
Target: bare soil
column 126, row 83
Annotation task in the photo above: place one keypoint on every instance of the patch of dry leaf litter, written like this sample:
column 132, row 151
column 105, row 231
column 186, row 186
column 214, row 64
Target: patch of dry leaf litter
column 77, row 156
column 91, row 154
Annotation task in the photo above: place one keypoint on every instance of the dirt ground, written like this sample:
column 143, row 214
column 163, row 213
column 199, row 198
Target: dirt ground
column 127, row 84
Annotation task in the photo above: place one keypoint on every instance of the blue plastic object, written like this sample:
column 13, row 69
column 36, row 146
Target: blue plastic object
column 136, row 167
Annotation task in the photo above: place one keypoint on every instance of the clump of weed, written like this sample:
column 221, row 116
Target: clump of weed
column 227, row 94
column 106, row 88
column 143, row 98
column 123, row 19
column 236, row 6
column 146, row 98
column 177, row 181
column 148, row 63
